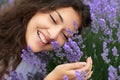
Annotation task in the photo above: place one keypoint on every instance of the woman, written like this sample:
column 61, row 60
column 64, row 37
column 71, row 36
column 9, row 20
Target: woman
column 35, row 23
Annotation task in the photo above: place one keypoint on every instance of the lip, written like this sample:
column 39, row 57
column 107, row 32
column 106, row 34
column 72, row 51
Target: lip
column 46, row 38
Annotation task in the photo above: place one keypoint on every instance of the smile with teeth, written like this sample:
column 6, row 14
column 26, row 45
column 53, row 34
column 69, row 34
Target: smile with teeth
column 41, row 37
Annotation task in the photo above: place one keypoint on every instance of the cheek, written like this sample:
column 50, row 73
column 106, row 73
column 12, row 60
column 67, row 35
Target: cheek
column 60, row 40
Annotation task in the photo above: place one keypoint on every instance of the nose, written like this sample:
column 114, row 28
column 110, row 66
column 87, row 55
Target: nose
column 54, row 31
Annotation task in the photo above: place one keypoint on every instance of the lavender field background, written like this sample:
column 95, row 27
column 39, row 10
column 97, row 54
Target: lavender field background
column 101, row 41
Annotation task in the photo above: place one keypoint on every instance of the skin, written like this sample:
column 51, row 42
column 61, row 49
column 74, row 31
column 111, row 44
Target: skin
column 55, row 29
column 50, row 30
column 69, row 70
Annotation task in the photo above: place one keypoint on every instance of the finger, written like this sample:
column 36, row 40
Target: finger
column 88, row 65
column 72, row 75
column 87, row 68
column 72, row 66
column 89, row 75
column 79, row 75
column 83, row 75
column 89, row 61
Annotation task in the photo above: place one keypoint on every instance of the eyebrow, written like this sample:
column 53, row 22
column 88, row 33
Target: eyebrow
column 59, row 16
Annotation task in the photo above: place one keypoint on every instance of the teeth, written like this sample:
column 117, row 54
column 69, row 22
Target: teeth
column 42, row 38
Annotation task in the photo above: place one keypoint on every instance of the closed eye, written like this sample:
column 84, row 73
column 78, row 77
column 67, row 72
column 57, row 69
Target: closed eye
column 52, row 18
column 65, row 36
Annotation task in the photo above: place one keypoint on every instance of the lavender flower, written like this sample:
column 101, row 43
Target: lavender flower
column 108, row 32
column 30, row 76
column 57, row 49
column 69, row 51
column 76, row 27
column 105, row 19
column 80, row 75
column 115, row 52
column 71, row 48
column 55, row 45
column 104, row 45
column 67, row 48
column 31, row 58
column 78, row 38
column 119, row 68
column 75, row 47
column 65, row 77
column 102, row 24
column 118, row 78
column 16, row 76
column 112, row 73
column 73, row 51
column 104, row 55
column 118, row 33
column 103, row 10
column 69, row 32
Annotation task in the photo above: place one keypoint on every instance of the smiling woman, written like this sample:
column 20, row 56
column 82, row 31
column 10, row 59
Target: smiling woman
column 45, row 27
column 35, row 23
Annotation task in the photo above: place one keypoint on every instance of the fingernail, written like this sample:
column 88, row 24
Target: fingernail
column 84, row 63
column 90, row 57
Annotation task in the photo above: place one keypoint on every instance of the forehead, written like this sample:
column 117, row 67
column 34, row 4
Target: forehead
column 69, row 16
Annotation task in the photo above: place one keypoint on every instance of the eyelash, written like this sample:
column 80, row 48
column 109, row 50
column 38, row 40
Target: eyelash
column 52, row 18
column 65, row 36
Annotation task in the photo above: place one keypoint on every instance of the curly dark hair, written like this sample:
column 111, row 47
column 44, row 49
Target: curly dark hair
column 13, row 20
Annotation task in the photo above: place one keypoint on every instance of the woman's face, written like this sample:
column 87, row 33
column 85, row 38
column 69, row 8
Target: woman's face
column 45, row 27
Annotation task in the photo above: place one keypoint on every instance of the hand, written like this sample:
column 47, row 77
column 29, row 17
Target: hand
column 69, row 70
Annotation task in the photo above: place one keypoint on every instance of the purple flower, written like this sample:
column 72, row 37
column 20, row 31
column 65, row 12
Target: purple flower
column 75, row 24
column 78, row 38
column 80, row 75
column 69, row 52
column 16, row 76
column 112, row 73
column 33, row 59
column 118, row 33
column 73, row 51
column 118, row 78
column 75, row 47
column 102, row 24
column 65, row 77
column 76, row 27
column 104, row 45
column 67, row 48
column 104, row 55
column 55, row 45
column 108, row 31
column 69, row 32
column 115, row 52
column 57, row 49
column 101, row 12
column 30, row 75
column 119, row 68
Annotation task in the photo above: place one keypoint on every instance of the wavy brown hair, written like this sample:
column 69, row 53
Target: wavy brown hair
column 13, row 20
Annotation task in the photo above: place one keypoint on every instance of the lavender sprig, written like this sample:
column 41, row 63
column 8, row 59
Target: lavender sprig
column 112, row 73
column 65, row 77
column 31, row 58
column 16, row 76
column 80, row 75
